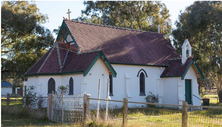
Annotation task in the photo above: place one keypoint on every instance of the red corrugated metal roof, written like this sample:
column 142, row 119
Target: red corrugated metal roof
column 176, row 68
column 123, row 46
column 118, row 45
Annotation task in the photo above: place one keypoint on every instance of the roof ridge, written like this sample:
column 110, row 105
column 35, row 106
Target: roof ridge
column 177, row 58
column 89, row 51
column 46, row 59
column 110, row 26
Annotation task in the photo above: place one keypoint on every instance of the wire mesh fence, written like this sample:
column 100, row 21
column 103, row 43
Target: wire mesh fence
column 208, row 117
column 137, row 114
column 154, row 115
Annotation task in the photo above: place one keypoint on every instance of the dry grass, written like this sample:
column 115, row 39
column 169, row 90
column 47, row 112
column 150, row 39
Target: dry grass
column 160, row 117
column 137, row 117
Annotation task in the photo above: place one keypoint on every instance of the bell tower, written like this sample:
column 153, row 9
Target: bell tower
column 186, row 51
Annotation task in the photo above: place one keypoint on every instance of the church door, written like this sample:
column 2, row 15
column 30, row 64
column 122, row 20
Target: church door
column 188, row 95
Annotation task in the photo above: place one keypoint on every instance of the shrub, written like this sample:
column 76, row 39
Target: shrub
column 30, row 99
column 152, row 98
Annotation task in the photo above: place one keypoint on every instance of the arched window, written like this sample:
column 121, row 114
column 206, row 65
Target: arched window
column 110, row 85
column 71, row 86
column 51, row 85
column 142, row 84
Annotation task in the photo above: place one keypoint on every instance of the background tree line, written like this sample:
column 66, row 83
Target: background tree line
column 201, row 23
column 23, row 39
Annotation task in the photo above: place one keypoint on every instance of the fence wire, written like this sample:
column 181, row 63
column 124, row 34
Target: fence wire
column 137, row 115
column 205, row 117
column 152, row 115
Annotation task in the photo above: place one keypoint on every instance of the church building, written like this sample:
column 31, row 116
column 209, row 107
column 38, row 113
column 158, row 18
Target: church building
column 134, row 63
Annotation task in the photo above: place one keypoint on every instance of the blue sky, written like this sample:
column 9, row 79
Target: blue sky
column 56, row 10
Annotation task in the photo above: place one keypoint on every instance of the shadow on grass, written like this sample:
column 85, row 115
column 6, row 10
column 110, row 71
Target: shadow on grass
column 8, row 120
column 136, row 112
column 16, row 115
column 211, row 113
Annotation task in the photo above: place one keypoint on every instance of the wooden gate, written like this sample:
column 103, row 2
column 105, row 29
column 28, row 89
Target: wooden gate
column 67, row 109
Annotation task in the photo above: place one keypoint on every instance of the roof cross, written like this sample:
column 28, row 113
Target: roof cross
column 68, row 13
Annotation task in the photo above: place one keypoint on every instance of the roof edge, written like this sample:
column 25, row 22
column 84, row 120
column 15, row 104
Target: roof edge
column 105, row 60
column 196, row 67
column 63, row 73
column 199, row 71
column 37, row 61
column 139, row 64
column 174, row 76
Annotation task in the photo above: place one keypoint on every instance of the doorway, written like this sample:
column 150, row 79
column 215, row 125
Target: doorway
column 188, row 92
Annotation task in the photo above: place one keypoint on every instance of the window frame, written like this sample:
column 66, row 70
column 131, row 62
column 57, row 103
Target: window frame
column 51, row 85
column 71, row 91
column 142, row 83
column 111, row 85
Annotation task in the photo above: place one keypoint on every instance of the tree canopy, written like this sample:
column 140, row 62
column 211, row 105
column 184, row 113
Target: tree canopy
column 142, row 15
column 201, row 23
column 23, row 38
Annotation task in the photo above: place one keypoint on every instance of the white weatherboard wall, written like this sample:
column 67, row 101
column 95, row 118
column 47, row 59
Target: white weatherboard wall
column 5, row 90
column 91, row 81
column 194, row 85
column 41, row 83
column 127, row 76
column 77, row 79
column 170, row 90
column 125, row 85
column 174, row 89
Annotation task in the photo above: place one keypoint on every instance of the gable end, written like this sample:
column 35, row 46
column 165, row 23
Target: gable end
column 64, row 32
column 102, row 56
column 196, row 69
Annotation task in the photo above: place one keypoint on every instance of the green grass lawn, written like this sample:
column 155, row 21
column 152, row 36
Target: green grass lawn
column 162, row 117
column 152, row 116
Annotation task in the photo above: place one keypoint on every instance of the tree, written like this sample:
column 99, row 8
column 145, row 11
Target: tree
column 201, row 23
column 23, row 38
column 142, row 15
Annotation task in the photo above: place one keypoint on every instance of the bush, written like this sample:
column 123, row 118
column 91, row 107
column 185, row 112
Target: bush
column 30, row 99
column 152, row 98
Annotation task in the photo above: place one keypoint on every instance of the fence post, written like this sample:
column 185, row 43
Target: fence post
column 49, row 106
column 125, row 111
column 97, row 114
column 8, row 101
column 184, row 114
column 86, row 107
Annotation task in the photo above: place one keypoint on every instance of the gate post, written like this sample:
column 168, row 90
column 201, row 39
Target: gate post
column 86, row 106
column 125, row 111
column 49, row 106
column 184, row 114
